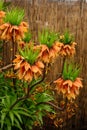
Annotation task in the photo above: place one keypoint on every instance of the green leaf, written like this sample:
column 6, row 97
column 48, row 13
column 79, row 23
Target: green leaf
column 8, row 127
column 11, row 115
column 27, row 37
column 29, row 54
column 7, row 101
column 24, row 112
column 40, row 117
column 16, row 113
column 17, row 124
column 3, row 115
column 66, row 38
column 48, row 38
column 43, row 97
column 14, row 16
column 70, row 71
column 1, row 5
column 44, row 107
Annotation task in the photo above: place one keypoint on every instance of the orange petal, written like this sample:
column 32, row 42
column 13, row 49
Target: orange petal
column 45, row 57
column 13, row 28
column 25, row 24
column 3, row 26
column 44, row 48
column 21, row 73
column 28, row 75
column 71, row 95
column 59, row 80
column 2, row 14
column 17, row 59
column 68, row 82
column 67, row 46
column 56, row 48
column 63, row 91
column 74, row 44
column 52, row 53
column 59, row 44
column 4, row 33
column 27, row 66
column 17, row 65
column 63, row 53
column 39, row 64
column 34, row 68
column 76, row 91
column 78, row 83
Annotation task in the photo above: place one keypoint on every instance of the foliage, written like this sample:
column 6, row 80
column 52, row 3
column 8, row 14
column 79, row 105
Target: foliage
column 27, row 37
column 1, row 5
column 48, row 38
column 66, row 38
column 4, row 5
column 29, row 54
column 70, row 71
column 14, row 16
column 14, row 115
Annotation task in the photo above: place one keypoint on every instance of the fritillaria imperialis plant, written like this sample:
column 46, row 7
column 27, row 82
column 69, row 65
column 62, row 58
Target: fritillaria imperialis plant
column 49, row 45
column 28, row 65
column 13, row 28
column 69, row 84
column 25, row 95
column 67, row 44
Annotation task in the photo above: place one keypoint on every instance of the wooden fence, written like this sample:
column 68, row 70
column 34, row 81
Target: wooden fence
column 59, row 16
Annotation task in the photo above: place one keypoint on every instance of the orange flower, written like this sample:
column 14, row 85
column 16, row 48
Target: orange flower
column 44, row 54
column 2, row 15
column 27, row 71
column 67, row 50
column 19, row 59
column 4, row 31
column 48, row 54
column 23, row 27
column 69, row 88
column 54, row 50
column 13, row 32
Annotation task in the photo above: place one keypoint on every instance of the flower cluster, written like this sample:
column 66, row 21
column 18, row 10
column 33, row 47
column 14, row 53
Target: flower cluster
column 69, row 83
column 67, row 44
column 14, row 33
column 67, row 50
column 49, row 54
column 69, row 88
column 26, row 71
column 12, row 28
